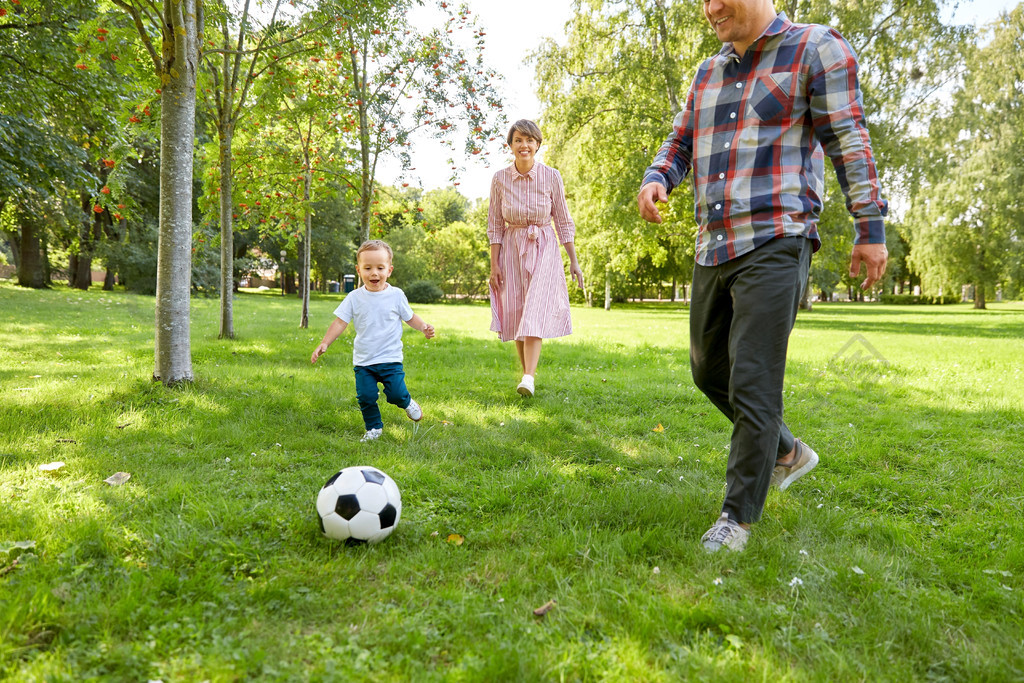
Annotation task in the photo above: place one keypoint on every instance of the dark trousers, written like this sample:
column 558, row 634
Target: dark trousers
column 392, row 376
column 741, row 314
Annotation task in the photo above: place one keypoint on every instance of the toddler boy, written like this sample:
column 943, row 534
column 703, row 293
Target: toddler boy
column 376, row 310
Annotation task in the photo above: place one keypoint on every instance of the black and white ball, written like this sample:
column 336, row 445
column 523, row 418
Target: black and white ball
column 359, row 505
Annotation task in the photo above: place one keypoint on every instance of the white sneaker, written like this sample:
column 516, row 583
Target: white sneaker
column 725, row 532
column 371, row 435
column 414, row 411
column 525, row 387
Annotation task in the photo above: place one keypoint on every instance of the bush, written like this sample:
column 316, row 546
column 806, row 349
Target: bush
column 911, row 299
column 423, row 292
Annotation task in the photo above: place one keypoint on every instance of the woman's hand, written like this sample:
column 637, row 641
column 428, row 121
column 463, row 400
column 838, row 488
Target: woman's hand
column 497, row 279
column 576, row 274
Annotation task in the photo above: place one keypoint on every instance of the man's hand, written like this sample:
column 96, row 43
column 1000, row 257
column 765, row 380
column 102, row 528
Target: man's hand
column 874, row 257
column 649, row 194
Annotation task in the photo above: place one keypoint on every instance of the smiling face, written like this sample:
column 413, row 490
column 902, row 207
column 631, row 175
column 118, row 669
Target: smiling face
column 739, row 22
column 375, row 269
column 524, row 149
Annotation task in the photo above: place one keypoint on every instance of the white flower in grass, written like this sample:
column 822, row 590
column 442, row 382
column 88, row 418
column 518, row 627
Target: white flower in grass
column 821, row 505
column 857, row 570
column 803, row 552
column 796, row 581
column 717, row 581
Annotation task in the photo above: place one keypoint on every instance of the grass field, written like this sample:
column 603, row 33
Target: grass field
column 900, row 558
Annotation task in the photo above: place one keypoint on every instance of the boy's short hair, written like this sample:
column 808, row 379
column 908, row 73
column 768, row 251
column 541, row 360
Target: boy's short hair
column 372, row 245
column 527, row 128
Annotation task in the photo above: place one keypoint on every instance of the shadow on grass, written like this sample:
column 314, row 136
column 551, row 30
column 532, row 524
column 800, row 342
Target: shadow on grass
column 933, row 321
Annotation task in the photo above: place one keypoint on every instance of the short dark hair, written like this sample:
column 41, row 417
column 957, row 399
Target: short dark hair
column 527, row 128
column 373, row 245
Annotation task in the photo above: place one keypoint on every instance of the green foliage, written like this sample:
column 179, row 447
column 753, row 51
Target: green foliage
column 423, row 292
column 208, row 563
column 915, row 299
column 965, row 224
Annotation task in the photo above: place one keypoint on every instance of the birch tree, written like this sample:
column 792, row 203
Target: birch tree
column 177, row 27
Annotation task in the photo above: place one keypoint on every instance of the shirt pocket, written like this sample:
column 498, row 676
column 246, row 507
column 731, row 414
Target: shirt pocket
column 772, row 98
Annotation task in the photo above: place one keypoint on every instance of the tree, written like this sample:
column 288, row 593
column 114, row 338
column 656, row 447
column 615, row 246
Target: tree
column 43, row 155
column 246, row 51
column 178, row 26
column 966, row 223
column 400, row 80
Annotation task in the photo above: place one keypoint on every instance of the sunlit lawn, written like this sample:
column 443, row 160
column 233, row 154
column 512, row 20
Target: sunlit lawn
column 900, row 559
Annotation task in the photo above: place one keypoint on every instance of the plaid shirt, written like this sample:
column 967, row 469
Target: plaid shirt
column 752, row 132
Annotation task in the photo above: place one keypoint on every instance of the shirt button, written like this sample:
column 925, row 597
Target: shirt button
column 728, row 145
column 739, row 85
column 720, row 238
column 732, row 115
column 721, row 176
column 718, row 206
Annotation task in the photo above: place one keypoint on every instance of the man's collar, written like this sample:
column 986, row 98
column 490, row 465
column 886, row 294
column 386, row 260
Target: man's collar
column 779, row 25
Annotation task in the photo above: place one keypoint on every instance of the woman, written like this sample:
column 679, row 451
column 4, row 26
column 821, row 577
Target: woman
column 529, row 300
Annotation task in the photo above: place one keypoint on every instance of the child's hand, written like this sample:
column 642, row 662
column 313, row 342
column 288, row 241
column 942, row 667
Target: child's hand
column 318, row 351
column 428, row 331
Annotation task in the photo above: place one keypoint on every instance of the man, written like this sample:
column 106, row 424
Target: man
column 756, row 119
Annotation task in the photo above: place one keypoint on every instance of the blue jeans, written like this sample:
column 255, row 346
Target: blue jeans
column 392, row 376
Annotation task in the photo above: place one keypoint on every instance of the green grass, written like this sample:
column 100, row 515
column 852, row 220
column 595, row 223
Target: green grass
column 209, row 565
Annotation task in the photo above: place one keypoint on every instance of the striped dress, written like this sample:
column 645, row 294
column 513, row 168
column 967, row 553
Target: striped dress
column 533, row 302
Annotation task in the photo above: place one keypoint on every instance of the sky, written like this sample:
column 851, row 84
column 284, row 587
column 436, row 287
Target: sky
column 514, row 30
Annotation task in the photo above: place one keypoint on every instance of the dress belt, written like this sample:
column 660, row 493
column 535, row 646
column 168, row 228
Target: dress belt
column 529, row 248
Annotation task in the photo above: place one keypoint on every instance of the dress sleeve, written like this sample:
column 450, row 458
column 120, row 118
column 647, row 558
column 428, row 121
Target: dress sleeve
column 564, row 225
column 495, row 222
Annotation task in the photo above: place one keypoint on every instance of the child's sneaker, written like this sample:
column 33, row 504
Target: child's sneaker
column 525, row 387
column 414, row 411
column 371, row 435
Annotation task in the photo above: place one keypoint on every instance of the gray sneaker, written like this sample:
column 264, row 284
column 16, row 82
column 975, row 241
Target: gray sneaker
column 371, row 435
column 414, row 411
column 725, row 532
column 806, row 460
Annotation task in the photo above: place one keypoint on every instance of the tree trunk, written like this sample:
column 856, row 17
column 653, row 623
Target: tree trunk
column 607, row 290
column 979, row 296
column 30, row 267
column 306, row 244
column 227, row 229
column 108, row 281
column 172, row 348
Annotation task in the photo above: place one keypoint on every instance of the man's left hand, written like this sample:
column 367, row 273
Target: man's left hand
column 874, row 257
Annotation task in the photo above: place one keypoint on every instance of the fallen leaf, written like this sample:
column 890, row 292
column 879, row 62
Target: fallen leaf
column 658, row 429
column 66, row 441
column 545, row 608
column 126, row 424
column 51, row 466
column 457, row 539
column 117, row 478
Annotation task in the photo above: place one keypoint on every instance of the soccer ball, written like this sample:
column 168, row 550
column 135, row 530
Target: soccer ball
column 359, row 505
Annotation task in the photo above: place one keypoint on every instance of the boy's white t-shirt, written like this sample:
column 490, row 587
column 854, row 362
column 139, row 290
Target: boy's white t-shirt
column 377, row 318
